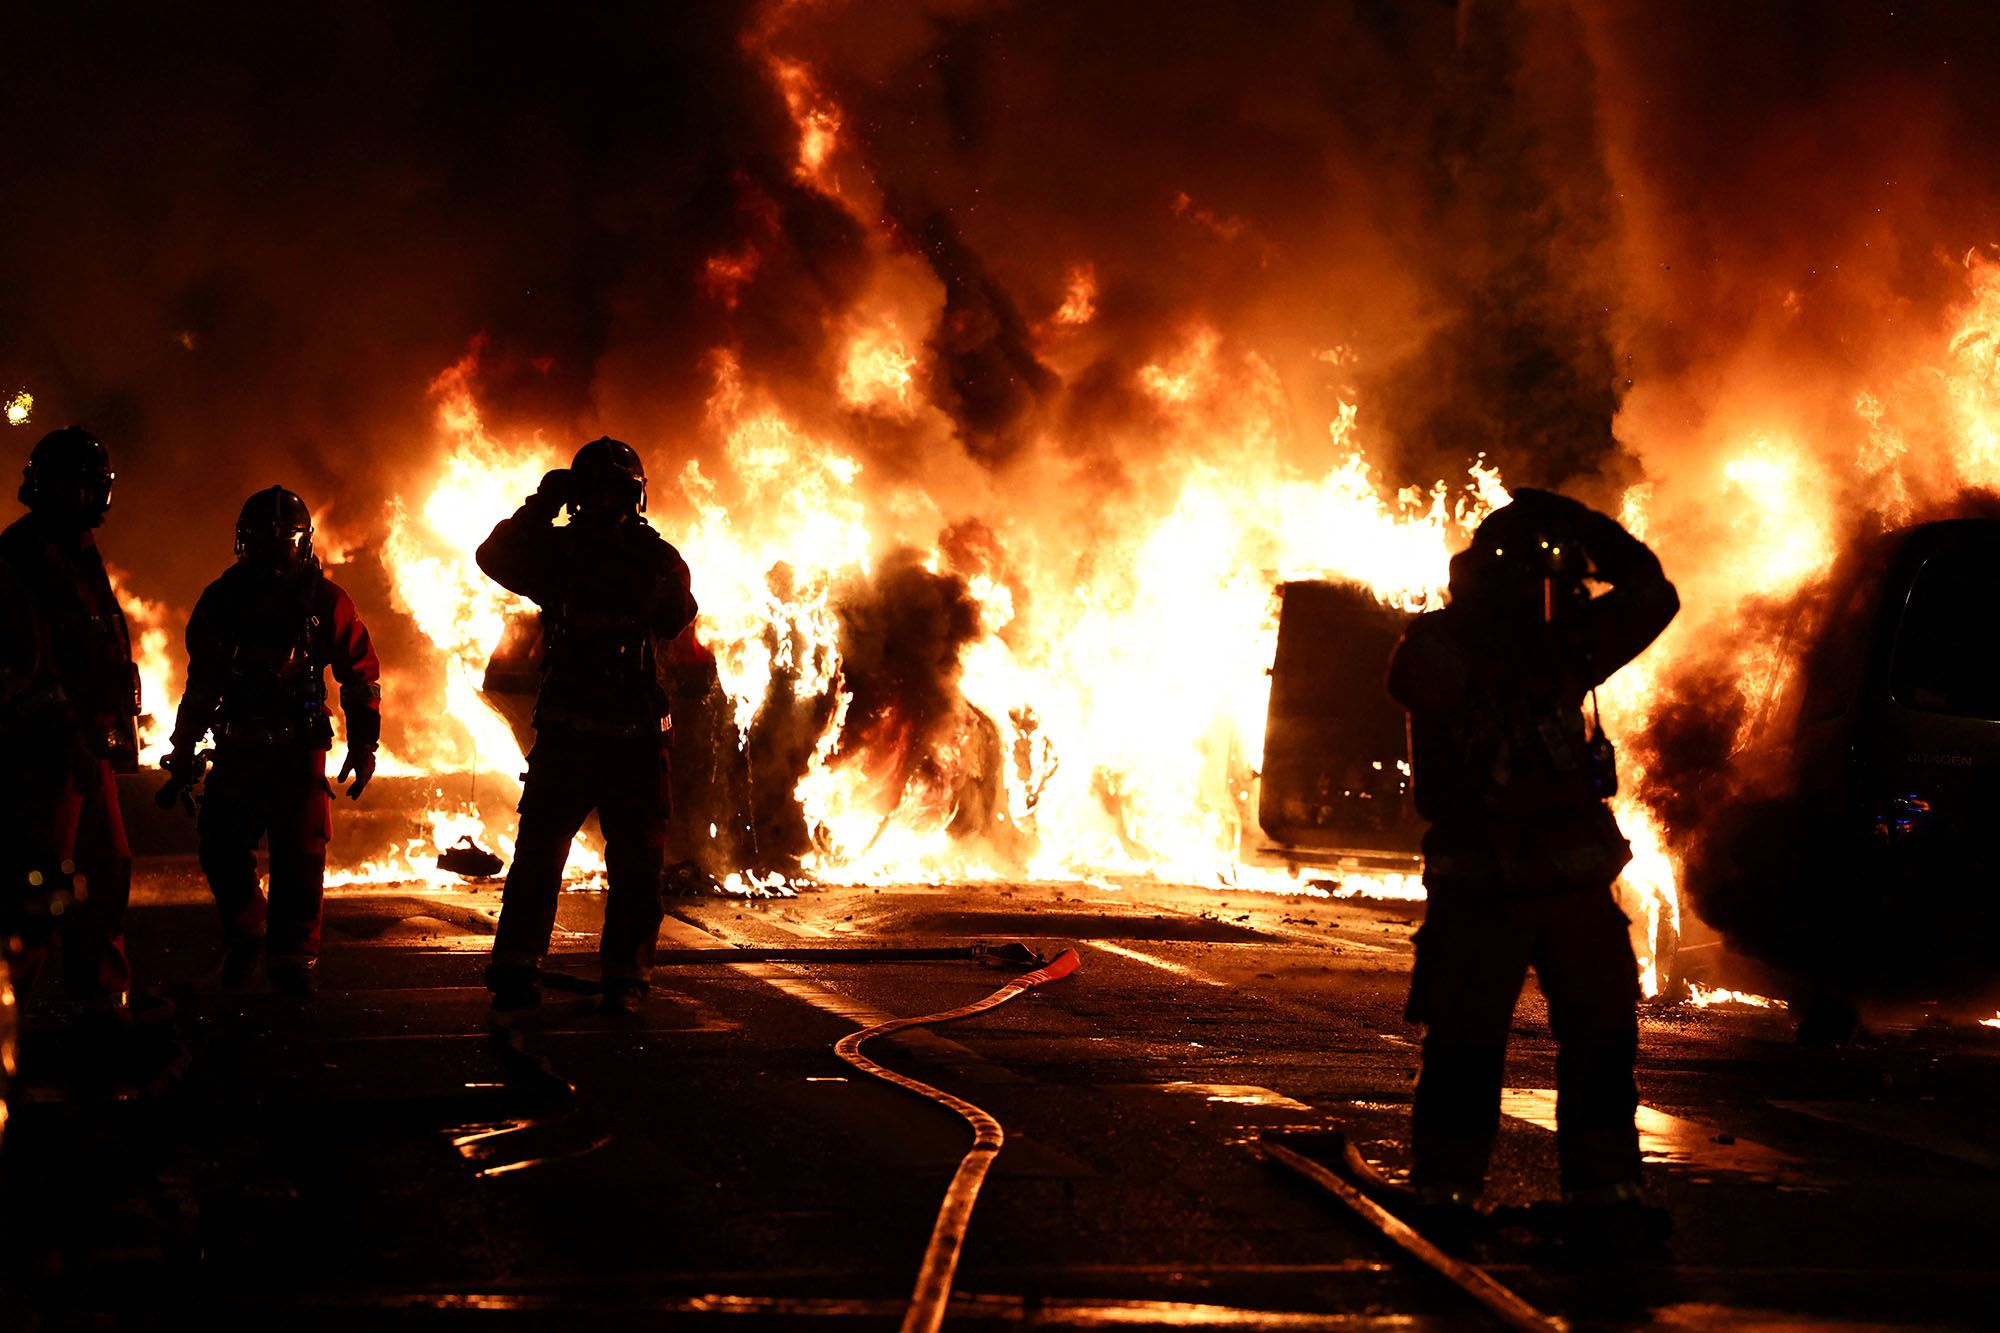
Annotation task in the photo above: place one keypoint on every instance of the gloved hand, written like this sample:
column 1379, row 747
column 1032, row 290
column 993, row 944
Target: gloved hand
column 557, row 489
column 183, row 768
column 183, row 764
column 1615, row 554
column 361, row 765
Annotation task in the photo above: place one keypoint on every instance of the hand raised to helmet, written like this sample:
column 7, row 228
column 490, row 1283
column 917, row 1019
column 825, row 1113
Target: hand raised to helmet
column 1614, row 553
column 558, row 488
column 1550, row 503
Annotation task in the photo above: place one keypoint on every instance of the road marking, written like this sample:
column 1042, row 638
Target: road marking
column 1902, row 1125
column 786, row 979
column 529, row 1163
column 1237, row 1094
column 470, row 1140
column 780, row 977
column 1165, row 965
column 1670, row 1140
column 1040, row 1311
column 1327, row 937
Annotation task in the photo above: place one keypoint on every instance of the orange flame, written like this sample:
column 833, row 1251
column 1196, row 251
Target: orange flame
column 154, row 652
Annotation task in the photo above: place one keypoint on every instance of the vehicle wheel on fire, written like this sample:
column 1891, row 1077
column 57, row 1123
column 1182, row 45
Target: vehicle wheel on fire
column 612, row 594
column 259, row 642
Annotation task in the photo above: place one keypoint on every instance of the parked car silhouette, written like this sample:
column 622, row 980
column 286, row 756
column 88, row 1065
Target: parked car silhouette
column 1868, row 864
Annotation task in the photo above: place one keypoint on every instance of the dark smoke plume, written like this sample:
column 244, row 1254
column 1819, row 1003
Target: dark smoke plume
column 901, row 634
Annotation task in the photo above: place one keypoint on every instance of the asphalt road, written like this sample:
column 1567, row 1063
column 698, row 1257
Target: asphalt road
column 374, row 1156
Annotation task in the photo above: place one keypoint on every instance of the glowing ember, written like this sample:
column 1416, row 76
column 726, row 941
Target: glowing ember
column 18, row 407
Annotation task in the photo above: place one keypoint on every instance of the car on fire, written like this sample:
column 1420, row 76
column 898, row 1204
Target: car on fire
column 1865, row 865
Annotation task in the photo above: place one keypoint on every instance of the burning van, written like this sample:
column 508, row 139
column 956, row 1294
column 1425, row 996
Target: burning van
column 1335, row 786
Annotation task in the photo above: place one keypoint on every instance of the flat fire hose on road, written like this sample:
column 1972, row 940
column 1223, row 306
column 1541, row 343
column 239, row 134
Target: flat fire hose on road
column 1499, row 1301
column 934, row 1278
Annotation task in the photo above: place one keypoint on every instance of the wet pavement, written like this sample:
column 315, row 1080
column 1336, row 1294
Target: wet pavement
column 375, row 1155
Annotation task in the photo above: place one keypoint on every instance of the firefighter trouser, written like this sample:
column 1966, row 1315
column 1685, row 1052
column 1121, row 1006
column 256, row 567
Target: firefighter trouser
column 569, row 775
column 277, row 794
column 56, row 823
column 1473, row 954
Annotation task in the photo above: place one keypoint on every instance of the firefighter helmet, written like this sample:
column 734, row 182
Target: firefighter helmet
column 69, row 469
column 274, row 531
column 1528, row 554
column 1533, row 540
column 608, row 473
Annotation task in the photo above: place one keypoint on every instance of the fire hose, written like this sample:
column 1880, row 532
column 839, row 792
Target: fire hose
column 940, row 1264
column 1499, row 1301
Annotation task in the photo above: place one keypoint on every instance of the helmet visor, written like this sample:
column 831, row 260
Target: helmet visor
column 279, row 550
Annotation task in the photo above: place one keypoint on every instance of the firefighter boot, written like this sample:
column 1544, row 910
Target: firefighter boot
column 238, row 964
column 293, row 974
column 624, row 995
column 513, row 985
column 1614, row 1220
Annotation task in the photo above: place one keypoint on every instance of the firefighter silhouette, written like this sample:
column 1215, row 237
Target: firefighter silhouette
column 259, row 642
column 613, row 593
column 1522, row 851
column 69, row 705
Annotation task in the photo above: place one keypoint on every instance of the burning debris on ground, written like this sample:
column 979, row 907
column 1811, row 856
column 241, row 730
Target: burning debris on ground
column 1062, row 411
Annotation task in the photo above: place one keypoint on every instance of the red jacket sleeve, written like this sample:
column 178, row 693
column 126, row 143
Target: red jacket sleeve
column 674, row 606
column 357, row 671
column 520, row 553
column 207, row 654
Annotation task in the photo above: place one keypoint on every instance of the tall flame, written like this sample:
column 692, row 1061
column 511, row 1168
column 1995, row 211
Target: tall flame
column 155, row 641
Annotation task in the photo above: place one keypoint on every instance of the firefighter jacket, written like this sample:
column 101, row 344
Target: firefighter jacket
column 1500, row 750
column 66, row 670
column 611, row 593
column 258, row 651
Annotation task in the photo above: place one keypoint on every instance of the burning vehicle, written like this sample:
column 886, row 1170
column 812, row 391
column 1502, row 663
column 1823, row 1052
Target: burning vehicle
column 1335, row 786
column 1860, row 855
